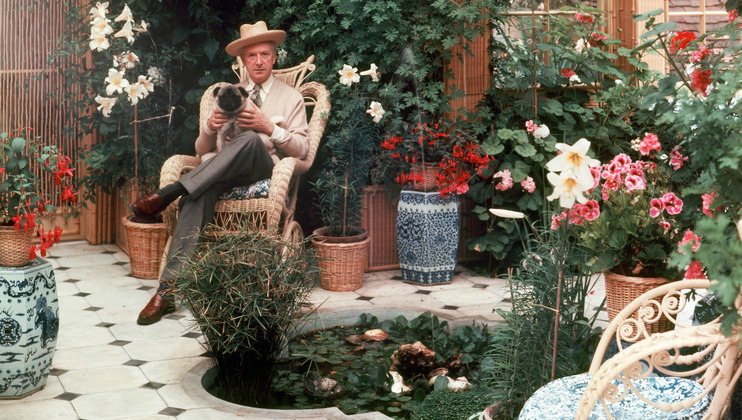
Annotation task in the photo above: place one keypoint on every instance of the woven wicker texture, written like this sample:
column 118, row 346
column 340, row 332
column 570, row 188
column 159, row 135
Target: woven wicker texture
column 427, row 176
column 621, row 290
column 343, row 264
column 275, row 211
column 146, row 243
column 15, row 247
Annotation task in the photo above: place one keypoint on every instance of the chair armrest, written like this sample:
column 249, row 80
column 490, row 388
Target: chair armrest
column 661, row 350
column 280, row 182
column 668, row 300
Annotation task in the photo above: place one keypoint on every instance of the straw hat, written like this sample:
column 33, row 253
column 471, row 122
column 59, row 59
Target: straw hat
column 253, row 34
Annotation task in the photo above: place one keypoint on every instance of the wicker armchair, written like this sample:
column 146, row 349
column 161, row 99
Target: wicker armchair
column 689, row 372
column 276, row 209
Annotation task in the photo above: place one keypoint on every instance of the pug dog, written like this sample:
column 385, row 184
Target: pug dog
column 230, row 100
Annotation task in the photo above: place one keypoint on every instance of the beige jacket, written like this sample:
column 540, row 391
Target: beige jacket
column 282, row 103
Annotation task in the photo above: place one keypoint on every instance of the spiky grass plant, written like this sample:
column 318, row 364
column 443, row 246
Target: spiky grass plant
column 245, row 291
column 522, row 347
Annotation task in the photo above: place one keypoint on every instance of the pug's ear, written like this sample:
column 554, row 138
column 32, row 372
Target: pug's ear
column 216, row 90
column 243, row 92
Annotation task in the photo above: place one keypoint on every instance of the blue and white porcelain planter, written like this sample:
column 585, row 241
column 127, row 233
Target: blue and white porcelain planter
column 29, row 322
column 427, row 236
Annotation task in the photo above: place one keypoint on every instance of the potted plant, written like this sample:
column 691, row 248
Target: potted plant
column 134, row 129
column 35, row 188
column 428, row 215
column 28, row 204
column 631, row 218
column 246, row 294
column 341, row 243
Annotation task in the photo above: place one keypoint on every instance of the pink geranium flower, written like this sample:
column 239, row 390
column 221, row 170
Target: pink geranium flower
column 695, row 271
column 676, row 158
column 689, row 238
column 590, row 210
column 584, row 18
column 506, row 181
column 656, row 206
column 673, row 204
column 531, row 126
column 528, row 185
column 649, row 144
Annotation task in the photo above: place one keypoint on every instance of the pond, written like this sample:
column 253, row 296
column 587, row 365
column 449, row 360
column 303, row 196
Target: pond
column 361, row 367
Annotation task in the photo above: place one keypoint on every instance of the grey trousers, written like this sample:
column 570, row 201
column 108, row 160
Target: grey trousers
column 243, row 161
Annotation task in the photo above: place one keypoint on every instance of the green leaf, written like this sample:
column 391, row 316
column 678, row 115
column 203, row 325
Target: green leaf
column 211, row 48
column 17, row 145
column 553, row 107
column 647, row 15
column 658, row 29
column 525, row 150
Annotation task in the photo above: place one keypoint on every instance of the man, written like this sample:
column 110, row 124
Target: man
column 247, row 158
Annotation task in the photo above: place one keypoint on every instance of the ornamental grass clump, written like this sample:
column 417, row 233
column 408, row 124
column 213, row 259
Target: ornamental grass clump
column 246, row 293
column 27, row 199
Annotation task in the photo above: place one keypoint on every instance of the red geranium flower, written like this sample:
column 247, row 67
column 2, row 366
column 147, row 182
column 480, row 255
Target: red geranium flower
column 681, row 40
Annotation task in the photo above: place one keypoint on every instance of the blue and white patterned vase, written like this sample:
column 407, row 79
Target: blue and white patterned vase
column 427, row 236
column 29, row 322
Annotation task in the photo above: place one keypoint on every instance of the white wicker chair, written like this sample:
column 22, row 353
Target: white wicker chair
column 689, row 372
column 276, row 210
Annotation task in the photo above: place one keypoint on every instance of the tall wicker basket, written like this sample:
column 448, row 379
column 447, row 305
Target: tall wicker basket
column 621, row 290
column 15, row 247
column 342, row 260
column 146, row 243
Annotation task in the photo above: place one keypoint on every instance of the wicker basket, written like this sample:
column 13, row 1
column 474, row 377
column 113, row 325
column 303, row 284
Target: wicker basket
column 15, row 247
column 621, row 290
column 428, row 174
column 146, row 243
column 342, row 261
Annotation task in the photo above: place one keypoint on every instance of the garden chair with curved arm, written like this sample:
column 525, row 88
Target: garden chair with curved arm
column 268, row 204
column 687, row 373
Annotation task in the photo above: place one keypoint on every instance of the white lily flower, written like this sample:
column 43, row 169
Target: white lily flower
column 126, row 32
column 100, row 26
column 372, row 72
column 146, row 83
column 349, row 75
column 376, row 111
column 142, row 27
column 106, row 104
column 116, row 82
column 574, row 158
column 125, row 15
column 507, row 214
column 135, row 92
column 99, row 10
column 569, row 187
column 129, row 59
column 99, row 42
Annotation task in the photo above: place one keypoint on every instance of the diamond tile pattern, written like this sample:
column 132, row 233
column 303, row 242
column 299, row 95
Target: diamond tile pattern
column 108, row 367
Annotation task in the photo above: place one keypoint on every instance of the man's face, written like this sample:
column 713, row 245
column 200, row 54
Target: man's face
column 259, row 60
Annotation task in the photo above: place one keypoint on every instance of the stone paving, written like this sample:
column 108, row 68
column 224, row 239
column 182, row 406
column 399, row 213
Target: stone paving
column 108, row 367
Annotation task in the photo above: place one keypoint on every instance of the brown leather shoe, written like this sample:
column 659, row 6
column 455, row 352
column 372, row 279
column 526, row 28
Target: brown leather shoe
column 148, row 207
column 156, row 309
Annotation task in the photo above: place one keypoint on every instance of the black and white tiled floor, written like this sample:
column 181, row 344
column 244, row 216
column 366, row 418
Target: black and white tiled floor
column 108, row 367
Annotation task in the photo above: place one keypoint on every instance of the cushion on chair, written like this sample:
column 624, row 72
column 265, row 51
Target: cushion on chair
column 257, row 190
column 559, row 399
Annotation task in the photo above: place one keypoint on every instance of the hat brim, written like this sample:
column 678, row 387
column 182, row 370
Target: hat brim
column 235, row 47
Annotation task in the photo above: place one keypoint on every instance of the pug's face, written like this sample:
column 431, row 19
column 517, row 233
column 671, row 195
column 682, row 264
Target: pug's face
column 230, row 99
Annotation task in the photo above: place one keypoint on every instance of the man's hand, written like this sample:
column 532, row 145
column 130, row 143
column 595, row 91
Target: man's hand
column 252, row 118
column 216, row 120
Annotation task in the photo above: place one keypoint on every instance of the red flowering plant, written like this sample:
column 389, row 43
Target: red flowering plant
column 28, row 201
column 628, row 213
column 454, row 158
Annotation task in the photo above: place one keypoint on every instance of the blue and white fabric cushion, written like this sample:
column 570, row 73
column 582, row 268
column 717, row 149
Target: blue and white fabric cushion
column 559, row 400
column 257, row 190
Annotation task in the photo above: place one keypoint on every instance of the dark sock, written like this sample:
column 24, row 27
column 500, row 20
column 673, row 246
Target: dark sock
column 164, row 290
column 170, row 193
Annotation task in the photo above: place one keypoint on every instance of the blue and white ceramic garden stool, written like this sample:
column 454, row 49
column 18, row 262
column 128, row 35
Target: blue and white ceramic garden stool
column 29, row 322
column 427, row 236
